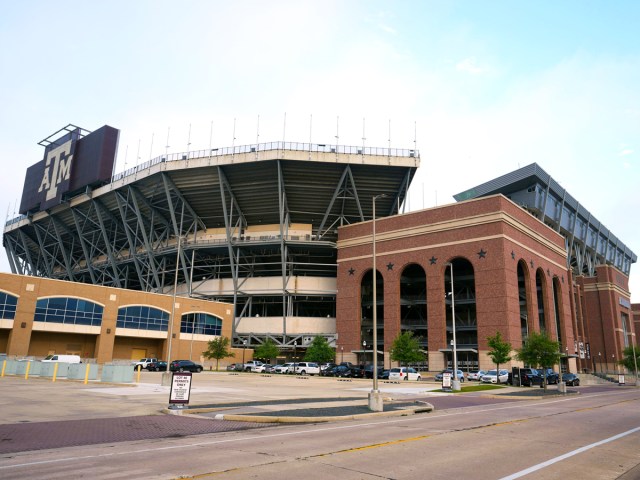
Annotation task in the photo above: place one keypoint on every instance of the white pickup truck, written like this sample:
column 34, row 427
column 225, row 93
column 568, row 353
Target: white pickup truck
column 251, row 365
column 144, row 362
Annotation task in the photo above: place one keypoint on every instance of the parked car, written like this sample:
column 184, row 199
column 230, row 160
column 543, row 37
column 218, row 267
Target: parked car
column 404, row 373
column 528, row 377
column 158, row 366
column 284, row 368
column 492, row 377
column 476, row 375
column 143, row 362
column 368, row 371
column 268, row 368
column 438, row 376
column 326, row 366
column 307, row 368
column 383, row 374
column 571, row 379
column 250, row 364
column 344, row 371
column 185, row 366
column 259, row 367
column 232, row 367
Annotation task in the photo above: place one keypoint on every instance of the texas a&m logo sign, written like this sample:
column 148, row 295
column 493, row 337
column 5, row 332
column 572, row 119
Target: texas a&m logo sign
column 74, row 160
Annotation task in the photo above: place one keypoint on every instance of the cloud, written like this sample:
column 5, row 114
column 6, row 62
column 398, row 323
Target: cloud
column 625, row 152
column 469, row 65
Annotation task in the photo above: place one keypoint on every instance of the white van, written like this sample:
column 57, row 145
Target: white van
column 63, row 358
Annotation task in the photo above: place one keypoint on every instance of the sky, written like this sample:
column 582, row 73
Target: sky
column 480, row 88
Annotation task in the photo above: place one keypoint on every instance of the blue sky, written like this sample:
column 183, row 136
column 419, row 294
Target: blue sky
column 480, row 87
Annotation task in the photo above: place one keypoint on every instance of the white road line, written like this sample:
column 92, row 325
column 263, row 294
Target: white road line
column 542, row 465
column 454, row 412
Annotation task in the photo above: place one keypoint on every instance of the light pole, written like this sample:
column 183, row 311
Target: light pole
column 635, row 359
column 455, row 382
column 375, row 399
column 364, row 352
column 244, row 349
column 341, row 354
column 600, row 361
column 295, row 346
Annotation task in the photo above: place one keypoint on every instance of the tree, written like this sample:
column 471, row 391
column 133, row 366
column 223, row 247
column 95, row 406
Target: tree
column 267, row 350
column 627, row 359
column 218, row 348
column 499, row 352
column 320, row 351
column 539, row 351
column 406, row 349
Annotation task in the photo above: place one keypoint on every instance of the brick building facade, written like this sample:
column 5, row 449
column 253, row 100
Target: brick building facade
column 509, row 270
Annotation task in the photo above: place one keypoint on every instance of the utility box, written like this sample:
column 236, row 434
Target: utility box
column 77, row 371
column 117, row 374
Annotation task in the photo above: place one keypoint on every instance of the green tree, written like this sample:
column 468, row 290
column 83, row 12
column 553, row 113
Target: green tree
column 627, row 359
column 539, row 351
column 267, row 350
column 406, row 349
column 500, row 351
column 218, row 348
column 320, row 351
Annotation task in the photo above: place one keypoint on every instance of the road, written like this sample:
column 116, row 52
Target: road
column 594, row 435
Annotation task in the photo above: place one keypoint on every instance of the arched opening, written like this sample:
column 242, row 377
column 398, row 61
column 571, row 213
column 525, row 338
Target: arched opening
column 413, row 304
column 466, row 324
column 557, row 311
column 541, row 283
column 366, row 316
column 523, row 299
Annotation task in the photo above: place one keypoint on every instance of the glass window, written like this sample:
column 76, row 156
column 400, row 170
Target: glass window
column 70, row 311
column 139, row 317
column 201, row 323
column 8, row 305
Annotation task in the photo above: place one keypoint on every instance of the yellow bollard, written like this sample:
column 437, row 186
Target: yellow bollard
column 26, row 374
column 86, row 374
column 55, row 371
column 139, row 368
column 4, row 365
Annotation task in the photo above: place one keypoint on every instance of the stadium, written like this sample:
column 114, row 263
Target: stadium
column 255, row 226
column 282, row 232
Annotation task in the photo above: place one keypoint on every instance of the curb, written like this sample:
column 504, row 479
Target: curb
column 289, row 419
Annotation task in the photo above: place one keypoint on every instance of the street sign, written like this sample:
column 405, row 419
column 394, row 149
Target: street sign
column 180, row 389
column 446, row 381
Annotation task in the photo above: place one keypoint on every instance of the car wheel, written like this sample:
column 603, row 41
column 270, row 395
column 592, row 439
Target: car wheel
column 303, row 372
column 406, row 378
column 419, row 378
column 198, row 370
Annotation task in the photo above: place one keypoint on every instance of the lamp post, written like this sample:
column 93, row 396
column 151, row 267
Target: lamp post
column 600, row 361
column 244, row 349
column 635, row 359
column 295, row 346
column 341, row 354
column 455, row 382
column 375, row 399
column 364, row 352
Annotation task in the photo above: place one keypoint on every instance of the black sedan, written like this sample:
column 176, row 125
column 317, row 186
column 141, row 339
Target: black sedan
column 159, row 366
column 571, row 379
column 185, row 366
column 344, row 371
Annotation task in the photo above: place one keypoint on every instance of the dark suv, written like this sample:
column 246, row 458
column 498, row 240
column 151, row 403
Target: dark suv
column 528, row 377
column 185, row 366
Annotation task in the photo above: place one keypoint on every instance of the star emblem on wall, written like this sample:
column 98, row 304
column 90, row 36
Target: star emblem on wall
column 548, row 273
column 513, row 255
column 433, row 260
column 482, row 253
column 389, row 266
column 531, row 263
column 351, row 271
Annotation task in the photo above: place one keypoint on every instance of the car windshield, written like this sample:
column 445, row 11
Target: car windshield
column 394, row 370
column 491, row 372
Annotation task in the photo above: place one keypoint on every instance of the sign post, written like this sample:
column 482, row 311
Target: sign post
column 446, row 382
column 180, row 390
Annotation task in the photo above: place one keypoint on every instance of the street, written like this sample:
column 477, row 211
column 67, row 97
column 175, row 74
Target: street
column 591, row 435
